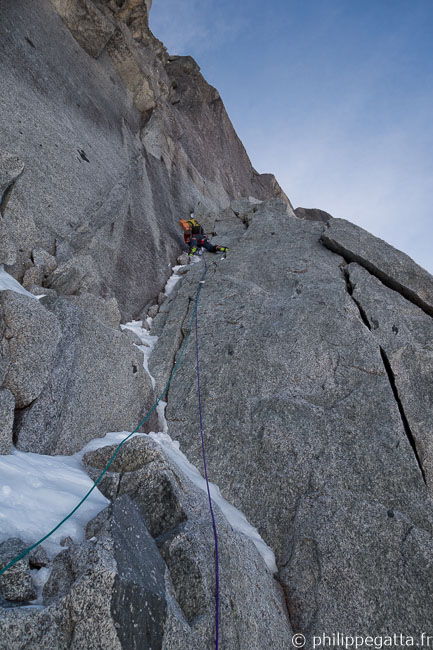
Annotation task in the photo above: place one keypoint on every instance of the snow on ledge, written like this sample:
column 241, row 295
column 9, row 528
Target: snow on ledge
column 235, row 517
column 148, row 341
column 37, row 492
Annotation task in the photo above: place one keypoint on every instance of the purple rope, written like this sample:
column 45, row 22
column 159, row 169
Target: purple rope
column 205, row 474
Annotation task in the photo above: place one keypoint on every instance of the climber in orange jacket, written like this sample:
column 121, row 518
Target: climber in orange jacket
column 196, row 239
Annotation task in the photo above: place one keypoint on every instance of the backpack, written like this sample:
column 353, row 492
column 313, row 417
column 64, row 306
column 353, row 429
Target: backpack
column 191, row 226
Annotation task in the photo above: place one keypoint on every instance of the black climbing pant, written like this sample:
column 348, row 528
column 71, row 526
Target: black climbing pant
column 198, row 241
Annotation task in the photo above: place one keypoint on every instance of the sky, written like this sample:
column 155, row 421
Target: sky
column 335, row 97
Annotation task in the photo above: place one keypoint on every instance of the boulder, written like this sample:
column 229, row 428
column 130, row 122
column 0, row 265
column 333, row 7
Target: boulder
column 153, row 310
column 78, row 275
column 44, row 260
column 145, row 478
column 25, row 628
column 16, row 584
column 38, row 558
column 394, row 268
column 7, row 411
column 183, row 259
column 33, row 334
column 133, row 455
column 34, row 276
column 20, row 229
column 97, row 384
column 313, row 214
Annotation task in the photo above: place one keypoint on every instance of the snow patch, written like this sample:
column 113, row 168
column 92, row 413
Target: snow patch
column 39, row 579
column 8, row 283
column 172, row 280
column 38, row 491
column 148, row 341
column 235, row 517
column 162, row 421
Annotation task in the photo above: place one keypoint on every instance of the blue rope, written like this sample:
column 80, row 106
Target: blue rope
column 207, row 481
column 33, row 546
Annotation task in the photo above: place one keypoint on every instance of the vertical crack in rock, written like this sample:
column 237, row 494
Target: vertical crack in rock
column 286, row 599
column 349, row 288
column 181, row 342
column 389, row 372
column 404, row 419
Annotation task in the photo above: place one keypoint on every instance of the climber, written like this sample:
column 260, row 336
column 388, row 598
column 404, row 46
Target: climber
column 196, row 239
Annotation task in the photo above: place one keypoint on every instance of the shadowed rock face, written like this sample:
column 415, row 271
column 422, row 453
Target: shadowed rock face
column 118, row 141
column 97, row 384
column 304, row 423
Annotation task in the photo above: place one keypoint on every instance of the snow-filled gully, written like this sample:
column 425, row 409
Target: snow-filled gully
column 37, row 491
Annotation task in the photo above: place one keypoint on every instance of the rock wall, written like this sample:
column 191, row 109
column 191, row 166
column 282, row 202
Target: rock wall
column 114, row 140
column 316, row 365
column 107, row 141
column 316, row 383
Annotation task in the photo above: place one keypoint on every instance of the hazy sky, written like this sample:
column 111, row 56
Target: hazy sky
column 335, row 97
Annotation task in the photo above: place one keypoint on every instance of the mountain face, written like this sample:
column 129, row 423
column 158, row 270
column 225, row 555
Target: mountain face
column 316, row 362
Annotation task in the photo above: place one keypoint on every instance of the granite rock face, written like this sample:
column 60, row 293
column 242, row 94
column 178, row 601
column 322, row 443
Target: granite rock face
column 394, row 268
column 16, row 584
column 405, row 334
column 7, row 407
column 10, row 169
column 32, row 333
column 316, row 360
column 97, row 384
column 304, row 431
column 132, row 142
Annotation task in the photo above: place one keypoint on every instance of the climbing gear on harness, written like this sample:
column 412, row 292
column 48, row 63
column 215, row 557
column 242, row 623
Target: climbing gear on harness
column 222, row 249
column 192, row 251
column 195, row 224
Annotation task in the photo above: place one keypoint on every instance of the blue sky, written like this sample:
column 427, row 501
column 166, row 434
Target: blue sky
column 335, row 97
